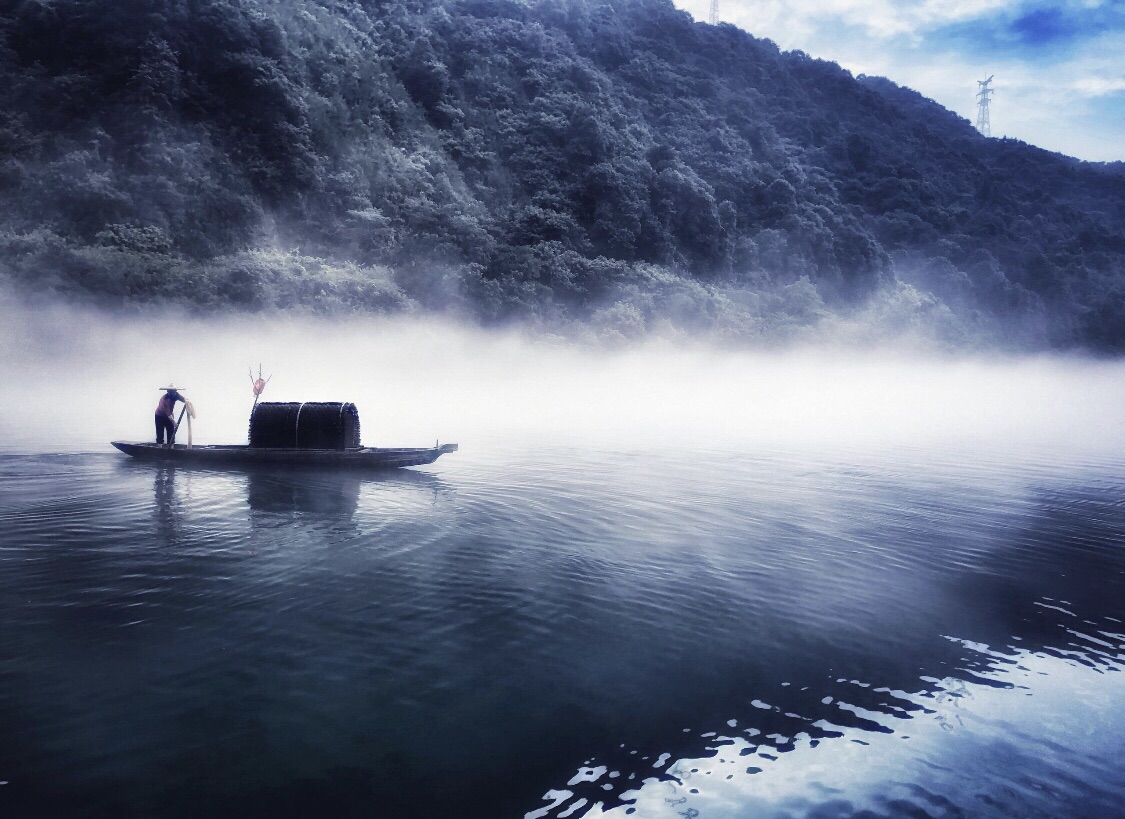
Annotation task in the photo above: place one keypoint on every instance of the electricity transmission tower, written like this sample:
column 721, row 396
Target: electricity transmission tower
column 984, row 125
column 713, row 19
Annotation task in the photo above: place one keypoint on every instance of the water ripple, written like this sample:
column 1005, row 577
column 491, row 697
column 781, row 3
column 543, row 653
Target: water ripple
column 838, row 632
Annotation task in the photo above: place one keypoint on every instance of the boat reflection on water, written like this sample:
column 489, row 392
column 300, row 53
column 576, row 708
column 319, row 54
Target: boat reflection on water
column 333, row 495
column 164, row 492
column 314, row 494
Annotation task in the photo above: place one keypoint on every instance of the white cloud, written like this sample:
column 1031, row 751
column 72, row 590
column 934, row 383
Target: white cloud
column 1096, row 86
column 787, row 22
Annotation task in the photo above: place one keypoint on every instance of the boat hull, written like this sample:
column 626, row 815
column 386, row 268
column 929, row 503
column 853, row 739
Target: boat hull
column 357, row 458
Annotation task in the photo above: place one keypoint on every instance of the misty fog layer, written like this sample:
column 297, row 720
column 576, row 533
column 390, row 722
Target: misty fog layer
column 74, row 380
column 612, row 164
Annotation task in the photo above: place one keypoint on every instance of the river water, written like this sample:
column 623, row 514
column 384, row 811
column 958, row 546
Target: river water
column 556, row 629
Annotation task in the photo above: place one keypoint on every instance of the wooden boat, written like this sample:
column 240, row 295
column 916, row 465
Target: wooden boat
column 308, row 433
column 360, row 457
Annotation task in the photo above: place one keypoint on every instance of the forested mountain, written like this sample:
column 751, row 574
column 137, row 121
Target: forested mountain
column 608, row 163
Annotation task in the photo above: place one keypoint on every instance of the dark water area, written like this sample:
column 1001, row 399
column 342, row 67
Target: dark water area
column 567, row 631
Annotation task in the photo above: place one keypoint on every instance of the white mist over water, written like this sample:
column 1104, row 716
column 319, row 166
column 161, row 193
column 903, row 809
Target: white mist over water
column 74, row 379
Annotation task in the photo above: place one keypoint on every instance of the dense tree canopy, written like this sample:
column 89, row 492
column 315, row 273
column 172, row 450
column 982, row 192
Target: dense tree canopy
column 558, row 160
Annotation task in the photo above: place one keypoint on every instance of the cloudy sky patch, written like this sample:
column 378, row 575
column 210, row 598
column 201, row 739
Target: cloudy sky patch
column 1060, row 67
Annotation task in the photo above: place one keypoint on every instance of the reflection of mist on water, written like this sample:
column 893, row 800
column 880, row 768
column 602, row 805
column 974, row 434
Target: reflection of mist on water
column 1063, row 714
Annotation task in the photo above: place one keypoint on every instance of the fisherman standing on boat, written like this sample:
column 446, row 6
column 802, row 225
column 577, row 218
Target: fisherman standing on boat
column 164, row 414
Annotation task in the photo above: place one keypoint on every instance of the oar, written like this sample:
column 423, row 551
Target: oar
column 177, row 429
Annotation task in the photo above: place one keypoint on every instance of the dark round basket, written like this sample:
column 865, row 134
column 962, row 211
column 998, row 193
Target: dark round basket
column 308, row 425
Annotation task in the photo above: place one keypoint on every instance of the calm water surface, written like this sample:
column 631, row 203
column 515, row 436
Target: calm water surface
column 567, row 631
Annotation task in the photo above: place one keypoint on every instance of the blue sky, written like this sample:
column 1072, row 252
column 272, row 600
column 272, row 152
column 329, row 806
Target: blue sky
column 1059, row 66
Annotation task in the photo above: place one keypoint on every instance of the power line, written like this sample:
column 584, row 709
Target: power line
column 984, row 123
